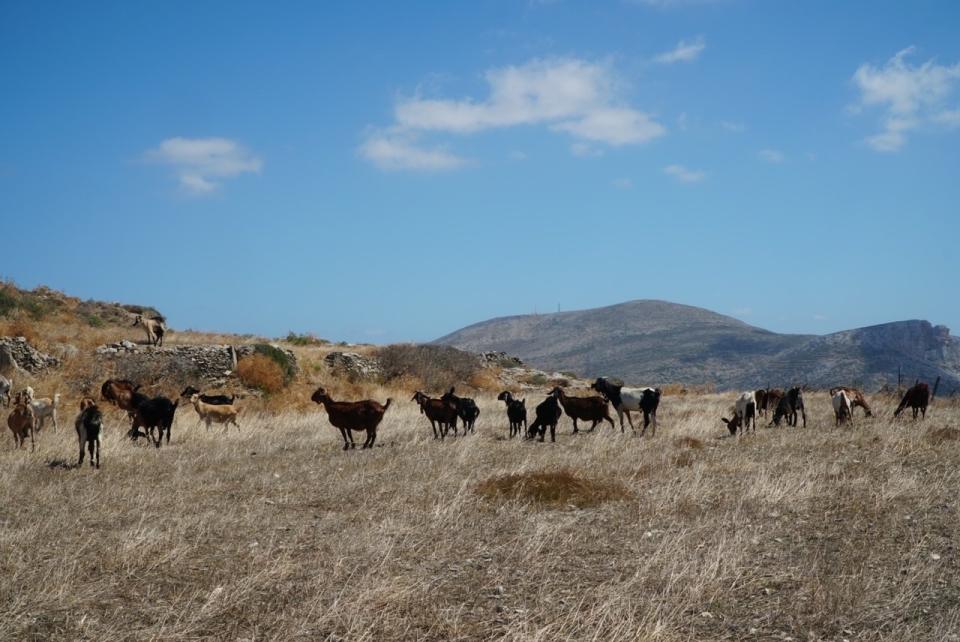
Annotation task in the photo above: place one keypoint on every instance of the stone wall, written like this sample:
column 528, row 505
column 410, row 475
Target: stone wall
column 16, row 353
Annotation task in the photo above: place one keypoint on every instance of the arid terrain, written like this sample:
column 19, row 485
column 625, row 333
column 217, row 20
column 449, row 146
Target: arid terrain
column 273, row 532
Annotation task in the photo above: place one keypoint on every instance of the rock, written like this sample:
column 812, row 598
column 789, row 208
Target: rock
column 353, row 366
column 210, row 364
column 16, row 353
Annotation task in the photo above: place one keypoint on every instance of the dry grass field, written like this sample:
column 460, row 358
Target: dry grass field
column 274, row 533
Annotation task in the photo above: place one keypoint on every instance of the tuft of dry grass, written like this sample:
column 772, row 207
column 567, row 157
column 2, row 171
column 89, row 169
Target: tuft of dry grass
column 552, row 489
column 261, row 372
column 942, row 435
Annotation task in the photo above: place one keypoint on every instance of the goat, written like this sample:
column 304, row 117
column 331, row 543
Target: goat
column 842, row 406
column 89, row 425
column 548, row 414
column 21, row 421
column 627, row 400
column 150, row 414
column 789, row 405
column 516, row 412
column 155, row 328
column 744, row 410
column 760, row 399
column 348, row 416
column 918, row 398
column 466, row 409
column 594, row 409
column 6, row 391
column 43, row 409
column 773, row 397
column 123, row 394
column 220, row 413
column 439, row 412
column 216, row 400
column 856, row 399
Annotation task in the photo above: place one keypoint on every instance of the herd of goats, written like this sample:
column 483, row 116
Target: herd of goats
column 154, row 415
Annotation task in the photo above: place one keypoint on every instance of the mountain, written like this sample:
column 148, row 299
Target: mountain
column 659, row 342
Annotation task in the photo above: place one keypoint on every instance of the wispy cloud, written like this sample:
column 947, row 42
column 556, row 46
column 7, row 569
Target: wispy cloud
column 730, row 126
column 683, row 174
column 202, row 164
column 774, row 156
column 393, row 151
column 569, row 95
column 685, row 51
column 910, row 95
column 622, row 183
column 583, row 150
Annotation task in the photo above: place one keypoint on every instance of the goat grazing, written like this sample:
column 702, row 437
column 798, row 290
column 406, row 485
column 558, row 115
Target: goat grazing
column 155, row 328
column 760, row 399
column 216, row 400
column 842, row 406
column 789, row 406
column 918, row 398
column 156, row 413
column 6, row 391
column 209, row 413
column 43, row 409
column 855, row 395
column 516, row 412
column 439, row 412
column 548, row 413
column 467, row 410
column 627, row 400
column 89, row 425
column 348, row 416
column 21, row 421
column 594, row 409
column 772, row 399
column 744, row 410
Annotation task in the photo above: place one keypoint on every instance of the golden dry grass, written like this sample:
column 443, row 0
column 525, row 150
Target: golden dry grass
column 276, row 534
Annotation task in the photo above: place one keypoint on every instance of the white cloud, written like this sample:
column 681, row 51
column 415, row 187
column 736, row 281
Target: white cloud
column 622, row 183
column 203, row 163
column 517, row 155
column 390, row 151
column 948, row 118
column 583, row 150
column 568, row 95
column 774, row 156
column 911, row 96
column 736, row 128
column 683, row 174
column 685, row 51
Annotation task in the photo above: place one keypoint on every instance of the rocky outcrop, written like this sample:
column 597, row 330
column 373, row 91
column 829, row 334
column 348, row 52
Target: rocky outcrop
column 212, row 364
column 16, row 353
column 353, row 366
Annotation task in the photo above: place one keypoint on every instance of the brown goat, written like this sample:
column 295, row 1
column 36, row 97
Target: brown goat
column 348, row 416
column 123, row 394
column 21, row 421
column 760, row 398
column 856, row 399
column 438, row 411
column 595, row 409
column 772, row 399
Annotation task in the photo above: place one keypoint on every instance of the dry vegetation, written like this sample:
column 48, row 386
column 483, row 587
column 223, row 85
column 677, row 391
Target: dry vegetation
column 275, row 533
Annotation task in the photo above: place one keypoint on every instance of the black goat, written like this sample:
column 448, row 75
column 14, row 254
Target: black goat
column 89, row 424
column 789, row 406
column 466, row 409
column 516, row 412
column 153, row 413
column 213, row 400
column 918, row 398
column 548, row 414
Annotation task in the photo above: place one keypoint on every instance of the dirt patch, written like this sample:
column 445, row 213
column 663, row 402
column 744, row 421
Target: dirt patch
column 941, row 435
column 552, row 489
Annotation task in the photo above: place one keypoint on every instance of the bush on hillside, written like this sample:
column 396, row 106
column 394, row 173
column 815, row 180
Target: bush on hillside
column 261, row 372
column 436, row 367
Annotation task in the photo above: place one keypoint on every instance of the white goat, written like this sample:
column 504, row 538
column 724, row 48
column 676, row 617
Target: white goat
column 744, row 411
column 212, row 413
column 155, row 328
column 842, row 407
column 44, row 408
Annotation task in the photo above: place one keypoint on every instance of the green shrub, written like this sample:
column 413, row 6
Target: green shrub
column 305, row 340
column 437, row 367
column 287, row 365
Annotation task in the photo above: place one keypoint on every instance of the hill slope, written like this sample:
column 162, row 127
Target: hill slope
column 657, row 342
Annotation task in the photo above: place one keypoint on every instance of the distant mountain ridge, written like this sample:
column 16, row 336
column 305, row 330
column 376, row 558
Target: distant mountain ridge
column 650, row 341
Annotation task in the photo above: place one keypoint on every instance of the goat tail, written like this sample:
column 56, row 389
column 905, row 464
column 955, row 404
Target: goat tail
column 387, row 405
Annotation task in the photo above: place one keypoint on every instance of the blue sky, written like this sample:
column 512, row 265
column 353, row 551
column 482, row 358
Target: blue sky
column 394, row 171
